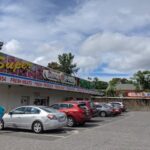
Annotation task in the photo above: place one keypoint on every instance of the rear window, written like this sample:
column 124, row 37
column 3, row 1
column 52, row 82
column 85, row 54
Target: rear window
column 62, row 106
column 82, row 105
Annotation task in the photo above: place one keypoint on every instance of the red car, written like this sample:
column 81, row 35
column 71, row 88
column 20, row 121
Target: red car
column 90, row 105
column 76, row 114
column 116, row 108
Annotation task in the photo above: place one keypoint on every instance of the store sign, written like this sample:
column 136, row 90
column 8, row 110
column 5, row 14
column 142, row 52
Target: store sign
column 52, row 75
column 58, row 76
column 22, row 68
column 68, row 80
column 13, row 65
column 146, row 94
column 28, row 82
column 139, row 94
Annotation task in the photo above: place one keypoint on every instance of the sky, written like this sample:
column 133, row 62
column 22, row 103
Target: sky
column 109, row 38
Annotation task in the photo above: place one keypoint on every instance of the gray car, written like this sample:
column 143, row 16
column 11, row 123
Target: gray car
column 103, row 109
column 36, row 118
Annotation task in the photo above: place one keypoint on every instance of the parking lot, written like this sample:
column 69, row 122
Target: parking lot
column 64, row 132
column 130, row 131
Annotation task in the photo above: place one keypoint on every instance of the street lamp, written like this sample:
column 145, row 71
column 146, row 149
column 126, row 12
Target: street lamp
column 1, row 45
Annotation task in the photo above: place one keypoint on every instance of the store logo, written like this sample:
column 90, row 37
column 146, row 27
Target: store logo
column 13, row 65
column 52, row 75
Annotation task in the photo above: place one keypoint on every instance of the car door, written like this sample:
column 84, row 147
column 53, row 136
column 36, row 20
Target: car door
column 30, row 115
column 13, row 118
column 64, row 108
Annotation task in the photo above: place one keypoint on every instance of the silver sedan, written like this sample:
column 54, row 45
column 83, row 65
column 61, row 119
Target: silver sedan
column 36, row 118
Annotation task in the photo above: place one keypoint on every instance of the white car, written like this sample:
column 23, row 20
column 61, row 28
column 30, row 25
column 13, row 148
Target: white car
column 36, row 118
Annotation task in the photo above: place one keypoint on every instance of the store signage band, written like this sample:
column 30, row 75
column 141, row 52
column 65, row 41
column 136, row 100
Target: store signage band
column 20, row 81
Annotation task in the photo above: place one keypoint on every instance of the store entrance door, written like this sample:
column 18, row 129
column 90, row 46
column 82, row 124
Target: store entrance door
column 44, row 101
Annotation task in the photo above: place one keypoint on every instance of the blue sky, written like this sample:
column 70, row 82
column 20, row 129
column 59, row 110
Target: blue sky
column 109, row 38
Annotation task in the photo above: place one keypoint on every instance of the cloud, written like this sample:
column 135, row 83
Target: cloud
column 12, row 47
column 120, row 52
column 105, row 36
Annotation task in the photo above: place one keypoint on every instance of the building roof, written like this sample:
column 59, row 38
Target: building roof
column 125, row 87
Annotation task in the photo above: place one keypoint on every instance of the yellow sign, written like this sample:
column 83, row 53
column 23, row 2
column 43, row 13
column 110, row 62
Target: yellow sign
column 14, row 65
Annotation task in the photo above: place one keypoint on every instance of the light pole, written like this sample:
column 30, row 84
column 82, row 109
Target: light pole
column 1, row 45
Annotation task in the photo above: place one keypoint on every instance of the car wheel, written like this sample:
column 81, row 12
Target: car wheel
column 37, row 127
column 70, row 121
column 1, row 125
column 103, row 114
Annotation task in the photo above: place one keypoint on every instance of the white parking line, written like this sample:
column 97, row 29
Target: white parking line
column 49, row 135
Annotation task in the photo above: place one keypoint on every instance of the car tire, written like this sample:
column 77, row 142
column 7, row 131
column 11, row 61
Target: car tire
column 103, row 114
column 70, row 121
column 37, row 127
column 1, row 125
column 82, row 124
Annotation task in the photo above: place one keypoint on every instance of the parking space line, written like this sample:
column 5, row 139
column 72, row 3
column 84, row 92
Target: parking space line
column 49, row 135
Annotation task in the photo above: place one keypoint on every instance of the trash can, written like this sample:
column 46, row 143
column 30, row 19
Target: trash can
column 2, row 111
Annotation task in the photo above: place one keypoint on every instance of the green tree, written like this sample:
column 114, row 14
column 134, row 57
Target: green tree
column 54, row 65
column 110, row 91
column 65, row 64
column 142, row 78
column 99, row 84
column 115, row 81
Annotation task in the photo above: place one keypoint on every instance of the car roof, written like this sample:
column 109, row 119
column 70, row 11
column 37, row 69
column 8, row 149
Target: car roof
column 66, row 102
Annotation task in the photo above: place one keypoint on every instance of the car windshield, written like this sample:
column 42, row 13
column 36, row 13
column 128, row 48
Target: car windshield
column 49, row 110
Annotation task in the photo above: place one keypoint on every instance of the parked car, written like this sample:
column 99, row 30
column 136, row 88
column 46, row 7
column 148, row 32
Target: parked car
column 76, row 114
column 116, row 108
column 121, row 104
column 104, row 109
column 90, row 105
column 36, row 118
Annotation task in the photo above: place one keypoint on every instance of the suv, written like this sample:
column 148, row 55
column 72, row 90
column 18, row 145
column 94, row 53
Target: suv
column 90, row 105
column 76, row 114
column 121, row 104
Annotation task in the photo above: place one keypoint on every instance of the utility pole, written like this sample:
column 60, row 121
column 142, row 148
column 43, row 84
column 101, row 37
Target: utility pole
column 1, row 45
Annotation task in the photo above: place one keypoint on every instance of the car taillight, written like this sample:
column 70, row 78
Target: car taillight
column 113, row 110
column 52, row 117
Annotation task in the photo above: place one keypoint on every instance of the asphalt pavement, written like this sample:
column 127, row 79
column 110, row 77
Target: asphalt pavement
column 130, row 131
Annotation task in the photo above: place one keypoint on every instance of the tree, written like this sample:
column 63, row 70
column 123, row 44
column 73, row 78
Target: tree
column 115, row 81
column 142, row 79
column 65, row 64
column 110, row 91
column 99, row 84
column 54, row 65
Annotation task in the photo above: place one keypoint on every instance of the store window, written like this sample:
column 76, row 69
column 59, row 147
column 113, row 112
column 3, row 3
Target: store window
column 25, row 100
column 44, row 101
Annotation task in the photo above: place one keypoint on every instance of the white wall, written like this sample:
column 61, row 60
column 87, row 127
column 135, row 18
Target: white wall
column 10, row 96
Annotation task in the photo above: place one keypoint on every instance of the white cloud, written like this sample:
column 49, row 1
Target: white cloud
column 120, row 52
column 98, row 32
column 12, row 47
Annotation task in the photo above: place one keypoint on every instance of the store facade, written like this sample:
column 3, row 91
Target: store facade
column 26, row 83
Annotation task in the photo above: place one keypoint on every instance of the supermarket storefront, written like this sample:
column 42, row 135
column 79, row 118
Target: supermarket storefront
column 25, row 83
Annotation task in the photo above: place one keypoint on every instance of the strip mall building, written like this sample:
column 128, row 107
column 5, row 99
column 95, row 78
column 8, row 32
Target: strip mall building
column 26, row 83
